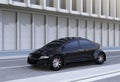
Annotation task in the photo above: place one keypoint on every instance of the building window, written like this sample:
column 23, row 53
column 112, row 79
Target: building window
column 74, row 5
column 117, row 8
column 84, row 6
column 19, row 0
column 110, row 7
column 93, row 6
column 50, row 3
column 63, row 4
column 37, row 2
column 102, row 7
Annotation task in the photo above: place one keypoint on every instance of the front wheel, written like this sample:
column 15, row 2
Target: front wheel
column 56, row 63
column 100, row 58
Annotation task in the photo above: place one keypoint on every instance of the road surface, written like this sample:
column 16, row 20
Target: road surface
column 17, row 68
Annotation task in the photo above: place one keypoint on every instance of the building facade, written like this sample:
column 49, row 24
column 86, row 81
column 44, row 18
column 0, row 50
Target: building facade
column 30, row 24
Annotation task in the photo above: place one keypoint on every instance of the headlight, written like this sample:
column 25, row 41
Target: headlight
column 29, row 55
column 44, row 57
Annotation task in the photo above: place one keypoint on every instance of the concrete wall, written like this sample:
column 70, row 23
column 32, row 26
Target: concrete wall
column 39, row 30
column 98, row 32
column 117, row 8
column 1, row 30
column 117, row 35
column 62, row 27
column 9, row 30
column 23, row 30
column 4, row 1
column 25, row 24
column 95, row 8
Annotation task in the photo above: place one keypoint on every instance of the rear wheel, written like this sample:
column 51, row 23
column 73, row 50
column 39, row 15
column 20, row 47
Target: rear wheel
column 56, row 63
column 100, row 58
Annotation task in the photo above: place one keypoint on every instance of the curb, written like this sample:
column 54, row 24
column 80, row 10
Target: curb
column 13, row 57
column 111, row 50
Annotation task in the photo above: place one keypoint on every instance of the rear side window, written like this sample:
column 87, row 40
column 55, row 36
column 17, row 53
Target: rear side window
column 86, row 44
column 71, row 46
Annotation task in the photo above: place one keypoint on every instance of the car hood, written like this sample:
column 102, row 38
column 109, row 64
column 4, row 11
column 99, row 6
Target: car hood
column 98, row 45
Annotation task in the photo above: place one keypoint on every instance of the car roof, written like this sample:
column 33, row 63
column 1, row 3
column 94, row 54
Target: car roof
column 68, row 39
column 62, row 41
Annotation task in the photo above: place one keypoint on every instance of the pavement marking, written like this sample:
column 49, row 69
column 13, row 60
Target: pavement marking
column 1, row 68
column 96, row 78
column 73, row 76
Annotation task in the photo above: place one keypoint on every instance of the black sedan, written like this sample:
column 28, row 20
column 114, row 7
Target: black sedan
column 58, row 53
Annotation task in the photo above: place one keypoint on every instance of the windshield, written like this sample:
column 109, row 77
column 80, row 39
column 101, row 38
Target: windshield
column 53, row 44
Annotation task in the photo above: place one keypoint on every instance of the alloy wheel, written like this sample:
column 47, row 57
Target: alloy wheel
column 100, row 59
column 56, row 63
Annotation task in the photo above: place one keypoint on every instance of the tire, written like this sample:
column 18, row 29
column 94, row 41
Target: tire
column 56, row 63
column 100, row 58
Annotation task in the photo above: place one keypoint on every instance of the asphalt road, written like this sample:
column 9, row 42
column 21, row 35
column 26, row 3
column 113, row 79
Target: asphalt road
column 11, row 69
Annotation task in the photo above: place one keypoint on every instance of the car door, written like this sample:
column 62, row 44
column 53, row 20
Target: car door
column 87, row 48
column 71, row 51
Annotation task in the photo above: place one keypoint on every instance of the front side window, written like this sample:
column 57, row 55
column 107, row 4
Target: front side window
column 71, row 46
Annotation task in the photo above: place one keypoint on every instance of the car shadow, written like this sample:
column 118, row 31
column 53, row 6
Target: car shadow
column 79, row 64
column 68, row 66
column 39, row 68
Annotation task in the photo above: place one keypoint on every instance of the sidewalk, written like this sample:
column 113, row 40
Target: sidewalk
column 110, row 49
column 14, row 54
column 24, row 54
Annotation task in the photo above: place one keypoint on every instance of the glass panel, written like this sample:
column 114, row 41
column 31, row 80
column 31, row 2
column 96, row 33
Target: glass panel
column 93, row 6
column 72, row 46
column 74, row 5
column 50, row 3
column 84, row 5
column 110, row 7
column 63, row 4
column 101, row 7
column 37, row 2
column 19, row 0
column 116, row 8
column 86, row 44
